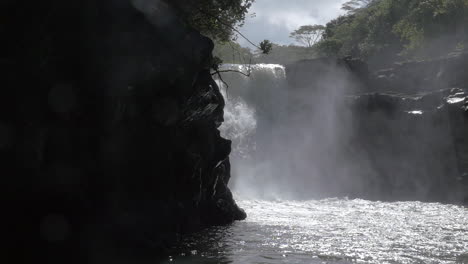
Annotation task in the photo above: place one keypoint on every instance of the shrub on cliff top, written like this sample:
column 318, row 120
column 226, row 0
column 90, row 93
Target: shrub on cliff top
column 217, row 19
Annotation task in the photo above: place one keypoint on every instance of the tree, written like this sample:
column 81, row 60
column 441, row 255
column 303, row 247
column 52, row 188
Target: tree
column 218, row 19
column 286, row 54
column 382, row 31
column 352, row 6
column 329, row 47
column 232, row 52
column 308, row 34
column 266, row 46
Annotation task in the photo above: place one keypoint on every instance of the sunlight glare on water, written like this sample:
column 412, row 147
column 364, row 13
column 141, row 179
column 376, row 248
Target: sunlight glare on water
column 335, row 231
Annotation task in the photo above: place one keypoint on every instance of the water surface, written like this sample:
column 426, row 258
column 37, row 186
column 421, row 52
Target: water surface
column 334, row 231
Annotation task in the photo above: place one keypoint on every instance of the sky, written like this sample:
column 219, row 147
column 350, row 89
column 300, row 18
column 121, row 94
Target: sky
column 275, row 19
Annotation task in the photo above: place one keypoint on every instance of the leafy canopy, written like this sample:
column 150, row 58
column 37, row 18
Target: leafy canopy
column 395, row 28
column 232, row 52
column 308, row 35
column 352, row 6
column 266, row 46
column 217, row 19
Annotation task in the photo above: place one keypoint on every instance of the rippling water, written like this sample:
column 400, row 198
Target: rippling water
column 334, row 231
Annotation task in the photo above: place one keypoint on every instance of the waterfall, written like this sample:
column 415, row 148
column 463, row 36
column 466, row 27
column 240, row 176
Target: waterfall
column 286, row 142
column 305, row 131
column 239, row 124
column 253, row 107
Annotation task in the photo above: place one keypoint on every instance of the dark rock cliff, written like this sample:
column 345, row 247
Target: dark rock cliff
column 414, row 146
column 408, row 125
column 108, row 131
column 424, row 75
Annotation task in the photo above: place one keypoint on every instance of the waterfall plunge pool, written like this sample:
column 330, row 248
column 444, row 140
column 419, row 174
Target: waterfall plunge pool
column 334, row 231
column 310, row 231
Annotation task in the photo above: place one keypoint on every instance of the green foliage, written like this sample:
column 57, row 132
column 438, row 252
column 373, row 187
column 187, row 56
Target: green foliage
column 432, row 19
column 352, row 6
column 406, row 27
column 308, row 35
column 411, row 34
column 217, row 19
column 330, row 47
column 266, row 46
column 286, row 54
column 232, row 52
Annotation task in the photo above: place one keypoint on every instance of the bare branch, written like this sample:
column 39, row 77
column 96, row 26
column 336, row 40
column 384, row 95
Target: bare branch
column 236, row 71
column 221, row 79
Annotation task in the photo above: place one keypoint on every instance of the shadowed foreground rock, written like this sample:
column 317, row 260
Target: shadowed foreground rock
column 108, row 132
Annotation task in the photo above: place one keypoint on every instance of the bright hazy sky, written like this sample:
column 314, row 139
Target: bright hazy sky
column 275, row 19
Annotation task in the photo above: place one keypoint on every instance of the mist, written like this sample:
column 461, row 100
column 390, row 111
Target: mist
column 297, row 147
column 313, row 130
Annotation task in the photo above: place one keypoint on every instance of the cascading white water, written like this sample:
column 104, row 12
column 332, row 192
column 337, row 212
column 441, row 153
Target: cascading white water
column 296, row 143
column 239, row 124
column 255, row 106
column 311, row 141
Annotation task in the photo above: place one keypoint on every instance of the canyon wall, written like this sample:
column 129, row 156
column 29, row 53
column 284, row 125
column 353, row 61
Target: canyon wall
column 109, row 135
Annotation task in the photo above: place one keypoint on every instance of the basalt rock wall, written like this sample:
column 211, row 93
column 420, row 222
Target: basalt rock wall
column 424, row 75
column 109, row 139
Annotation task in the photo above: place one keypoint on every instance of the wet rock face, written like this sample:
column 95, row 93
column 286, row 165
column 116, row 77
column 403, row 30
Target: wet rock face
column 108, row 130
column 423, row 76
column 419, row 115
column 413, row 146
column 406, row 127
